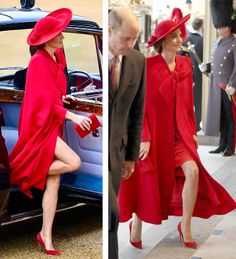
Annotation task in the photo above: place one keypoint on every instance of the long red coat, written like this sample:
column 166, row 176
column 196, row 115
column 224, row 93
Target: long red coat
column 154, row 191
column 41, row 121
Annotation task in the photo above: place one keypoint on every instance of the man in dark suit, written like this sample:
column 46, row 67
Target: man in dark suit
column 195, row 37
column 126, row 99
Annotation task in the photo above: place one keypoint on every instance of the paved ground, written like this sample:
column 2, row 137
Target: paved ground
column 216, row 237
column 77, row 233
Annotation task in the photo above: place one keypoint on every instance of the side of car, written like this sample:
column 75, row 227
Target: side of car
column 83, row 52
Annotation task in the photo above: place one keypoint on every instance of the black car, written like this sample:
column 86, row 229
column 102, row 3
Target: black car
column 83, row 52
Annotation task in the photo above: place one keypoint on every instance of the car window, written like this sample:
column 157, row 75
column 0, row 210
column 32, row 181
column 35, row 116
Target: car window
column 14, row 51
column 80, row 51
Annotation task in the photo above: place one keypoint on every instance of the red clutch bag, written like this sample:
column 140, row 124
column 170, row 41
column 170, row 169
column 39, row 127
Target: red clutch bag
column 95, row 124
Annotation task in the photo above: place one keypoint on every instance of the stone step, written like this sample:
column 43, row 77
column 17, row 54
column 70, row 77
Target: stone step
column 221, row 244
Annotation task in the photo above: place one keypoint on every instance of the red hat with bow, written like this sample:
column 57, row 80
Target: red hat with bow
column 166, row 27
column 49, row 27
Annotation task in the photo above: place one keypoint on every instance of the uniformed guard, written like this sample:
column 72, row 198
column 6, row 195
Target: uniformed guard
column 222, row 67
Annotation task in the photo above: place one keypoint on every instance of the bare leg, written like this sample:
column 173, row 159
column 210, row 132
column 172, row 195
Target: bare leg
column 66, row 160
column 136, row 229
column 189, row 196
column 49, row 205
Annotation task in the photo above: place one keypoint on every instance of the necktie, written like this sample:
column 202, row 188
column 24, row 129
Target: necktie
column 115, row 72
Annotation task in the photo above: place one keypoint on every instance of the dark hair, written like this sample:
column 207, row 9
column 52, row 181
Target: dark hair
column 33, row 50
column 41, row 46
column 197, row 23
column 158, row 46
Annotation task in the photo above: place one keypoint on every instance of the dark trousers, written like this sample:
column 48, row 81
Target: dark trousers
column 113, row 222
column 226, row 123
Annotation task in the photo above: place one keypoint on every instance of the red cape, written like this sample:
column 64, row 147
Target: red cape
column 154, row 191
column 41, row 121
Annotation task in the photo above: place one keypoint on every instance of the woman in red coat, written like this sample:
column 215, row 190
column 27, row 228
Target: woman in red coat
column 169, row 178
column 41, row 155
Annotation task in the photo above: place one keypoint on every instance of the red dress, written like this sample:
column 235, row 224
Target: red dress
column 154, row 191
column 41, row 121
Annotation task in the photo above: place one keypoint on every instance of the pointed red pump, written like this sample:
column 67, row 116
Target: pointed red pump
column 42, row 246
column 192, row 244
column 135, row 244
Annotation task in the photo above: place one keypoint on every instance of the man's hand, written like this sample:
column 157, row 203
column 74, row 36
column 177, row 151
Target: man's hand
column 127, row 169
column 230, row 90
column 202, row 67
column 196, row 141
column 144, row 150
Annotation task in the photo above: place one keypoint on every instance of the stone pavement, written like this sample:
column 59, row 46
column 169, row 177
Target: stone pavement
column 216, row 237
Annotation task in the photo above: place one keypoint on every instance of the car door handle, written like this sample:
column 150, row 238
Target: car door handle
column 17, row 97
column 95, row 133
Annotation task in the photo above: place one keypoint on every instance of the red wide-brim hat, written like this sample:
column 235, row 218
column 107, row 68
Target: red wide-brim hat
column 166, row 27
column 49, row 27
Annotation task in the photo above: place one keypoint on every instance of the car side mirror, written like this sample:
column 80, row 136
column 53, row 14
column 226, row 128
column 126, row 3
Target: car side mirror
column 27, row 4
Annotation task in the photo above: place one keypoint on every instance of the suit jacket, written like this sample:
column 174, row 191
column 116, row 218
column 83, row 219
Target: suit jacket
column 197, row 40
column 126, row 114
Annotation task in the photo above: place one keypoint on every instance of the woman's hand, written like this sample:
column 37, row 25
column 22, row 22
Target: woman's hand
column 144, row 150
column 82, row 121
column 195, row 140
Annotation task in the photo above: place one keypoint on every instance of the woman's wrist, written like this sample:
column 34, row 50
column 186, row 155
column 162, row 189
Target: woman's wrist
column 70, row 116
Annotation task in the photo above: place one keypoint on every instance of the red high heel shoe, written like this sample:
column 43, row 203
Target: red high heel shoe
column 192, row 244
column 42, row 245
column 135, row 244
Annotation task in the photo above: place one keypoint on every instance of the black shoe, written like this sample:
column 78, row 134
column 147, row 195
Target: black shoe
column 217, row 151
column 228, row 152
